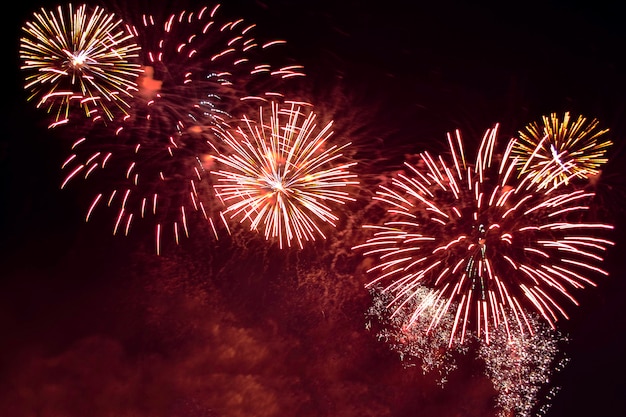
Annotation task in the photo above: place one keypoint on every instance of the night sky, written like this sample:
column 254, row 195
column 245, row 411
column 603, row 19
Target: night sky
column 97, row 325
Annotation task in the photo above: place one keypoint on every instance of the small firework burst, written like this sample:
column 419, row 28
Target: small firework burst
column 81, row 58
column 521, row 365
column 416, row 342
column 561, row 149
column 283, row 175
column 489, row 246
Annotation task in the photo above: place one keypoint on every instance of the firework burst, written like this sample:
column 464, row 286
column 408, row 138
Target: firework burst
column 283, row 175
column 198, row 70
column 558, row 150
column 490, row 247
column 79, row 58
column 154, row 162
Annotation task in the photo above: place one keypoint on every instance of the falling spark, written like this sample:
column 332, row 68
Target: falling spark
column 520, row 366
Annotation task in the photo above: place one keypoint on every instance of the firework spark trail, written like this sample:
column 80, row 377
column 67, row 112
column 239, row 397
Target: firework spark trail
column 520, row 365
column 79, row 58
column 283, row 175
column 489, row 246
column 559, row 150
column 155, row 161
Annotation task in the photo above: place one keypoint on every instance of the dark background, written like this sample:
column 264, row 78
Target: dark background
column 97, row 325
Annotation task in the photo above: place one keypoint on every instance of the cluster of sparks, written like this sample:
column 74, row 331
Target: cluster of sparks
column 415, row 346
column 282, row 174
column 79, row 58
column 491, row 247
column 520, row 366
column 559, row 150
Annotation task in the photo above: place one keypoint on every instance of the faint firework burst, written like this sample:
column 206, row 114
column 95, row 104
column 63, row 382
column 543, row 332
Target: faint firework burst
column 282, row 175
column 558, row 150
column 520, row 367
column 81, row 59
column 154, row 162
column 490, row 246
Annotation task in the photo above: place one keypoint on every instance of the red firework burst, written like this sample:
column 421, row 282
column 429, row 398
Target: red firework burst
column 489, row 245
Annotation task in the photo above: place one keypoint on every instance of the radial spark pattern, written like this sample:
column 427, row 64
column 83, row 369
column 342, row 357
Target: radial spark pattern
column 79, row 58
column 490, row 247
column 283, row 175
column 560, row 149
column 154, row 162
